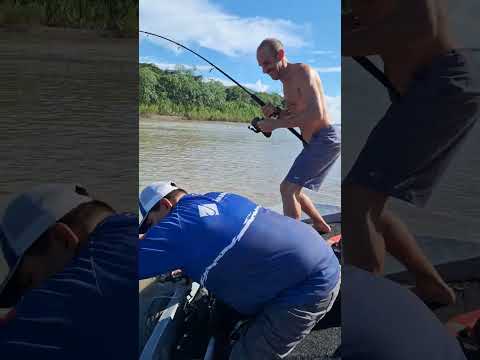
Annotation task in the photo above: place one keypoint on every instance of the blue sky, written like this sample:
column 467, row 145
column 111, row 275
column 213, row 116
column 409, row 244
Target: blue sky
column 228, row 33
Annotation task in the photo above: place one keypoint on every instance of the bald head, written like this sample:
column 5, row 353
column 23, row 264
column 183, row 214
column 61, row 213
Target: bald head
column 271, row 58
column 273, row 46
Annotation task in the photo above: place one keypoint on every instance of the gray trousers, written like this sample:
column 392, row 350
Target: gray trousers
column 279, row 328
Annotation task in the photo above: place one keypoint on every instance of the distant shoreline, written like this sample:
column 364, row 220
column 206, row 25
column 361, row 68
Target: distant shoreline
column 159, row 117
column 184, row 118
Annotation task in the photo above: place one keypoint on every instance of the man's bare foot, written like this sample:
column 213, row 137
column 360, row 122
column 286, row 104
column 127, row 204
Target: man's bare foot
column 322, row 228
column 435, row 292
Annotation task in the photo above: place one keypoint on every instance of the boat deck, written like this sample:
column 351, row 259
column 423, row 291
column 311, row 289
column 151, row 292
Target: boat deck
column 319, row 344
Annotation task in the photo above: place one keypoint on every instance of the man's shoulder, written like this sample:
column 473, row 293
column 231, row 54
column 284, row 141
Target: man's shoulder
column 115, row 228
column 303, row 68
column 304, row 72
column 118, row 220
column 201, row 209
column 216, row 197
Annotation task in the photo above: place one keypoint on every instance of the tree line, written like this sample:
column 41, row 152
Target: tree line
column 182, row 92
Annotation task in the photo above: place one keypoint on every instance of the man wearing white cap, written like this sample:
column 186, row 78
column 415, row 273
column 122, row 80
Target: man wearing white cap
column 71, row 264
column 264, row 265
column 151, row 200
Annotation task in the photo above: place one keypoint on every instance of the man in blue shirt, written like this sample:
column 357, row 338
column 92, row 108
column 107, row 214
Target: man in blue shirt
column 71, row 271
column 261, row 263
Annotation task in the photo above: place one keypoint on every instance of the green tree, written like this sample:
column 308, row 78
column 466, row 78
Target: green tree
column 182, row 92
column 235, row 93
column 148, row 86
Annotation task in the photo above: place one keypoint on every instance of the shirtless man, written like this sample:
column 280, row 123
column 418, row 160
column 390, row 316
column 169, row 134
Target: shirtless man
column 412, row 145
column 306, row 109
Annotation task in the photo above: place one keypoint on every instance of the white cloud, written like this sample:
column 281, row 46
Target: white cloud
column 258, row 86
column 334, row 107
column 168, row 66
column 200, row 22
column 331, row 69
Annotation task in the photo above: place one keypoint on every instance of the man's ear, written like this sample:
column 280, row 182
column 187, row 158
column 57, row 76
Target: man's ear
column 280, row 54
column 65, row 234
column 167, row 203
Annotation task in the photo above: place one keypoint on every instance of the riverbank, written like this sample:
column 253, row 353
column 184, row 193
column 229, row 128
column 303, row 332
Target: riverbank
column 113, row 19
column 169, row 117
column 202, row 113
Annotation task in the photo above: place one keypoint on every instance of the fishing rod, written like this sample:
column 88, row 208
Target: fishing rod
column 251, row 94
column 369, row 66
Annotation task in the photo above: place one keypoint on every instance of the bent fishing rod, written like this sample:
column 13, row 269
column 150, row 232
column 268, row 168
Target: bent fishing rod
column 251, row 94
column 369, row 66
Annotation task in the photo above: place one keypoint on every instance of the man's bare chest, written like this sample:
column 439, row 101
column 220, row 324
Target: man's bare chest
column 293, row 97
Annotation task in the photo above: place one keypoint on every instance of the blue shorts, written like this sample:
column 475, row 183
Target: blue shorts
column 316, row 159
column 412, row 145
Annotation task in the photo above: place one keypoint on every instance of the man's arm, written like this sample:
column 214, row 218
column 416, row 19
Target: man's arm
column 155, row 255
column 384, row 24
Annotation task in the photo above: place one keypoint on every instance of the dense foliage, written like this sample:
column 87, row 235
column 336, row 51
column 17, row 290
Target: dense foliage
column 181, row 92
column 120, row 16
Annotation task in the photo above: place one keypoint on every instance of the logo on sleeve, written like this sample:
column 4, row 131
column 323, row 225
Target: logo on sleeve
column 208, row 210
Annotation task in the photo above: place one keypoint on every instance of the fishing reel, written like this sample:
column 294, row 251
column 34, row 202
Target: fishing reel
column 253, row 126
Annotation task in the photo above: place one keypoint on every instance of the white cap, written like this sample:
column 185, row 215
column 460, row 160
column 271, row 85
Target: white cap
column 152, row 194
column 26, row 216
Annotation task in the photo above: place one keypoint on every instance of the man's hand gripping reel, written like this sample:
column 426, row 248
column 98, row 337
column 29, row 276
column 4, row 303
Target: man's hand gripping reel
column 253, row 125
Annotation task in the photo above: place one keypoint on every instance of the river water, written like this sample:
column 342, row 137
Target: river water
column 68, row 110
column 204, row 156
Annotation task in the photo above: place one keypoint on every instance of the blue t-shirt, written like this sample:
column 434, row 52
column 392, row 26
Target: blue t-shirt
column 243, row 253
column 88, row 310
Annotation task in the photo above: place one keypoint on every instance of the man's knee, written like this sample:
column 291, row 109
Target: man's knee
column 289, row 189
column 360, row 201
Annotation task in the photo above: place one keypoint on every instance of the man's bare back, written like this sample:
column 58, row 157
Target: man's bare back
column 406, row 34
column 298, row 97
